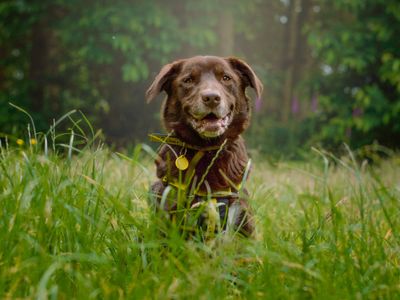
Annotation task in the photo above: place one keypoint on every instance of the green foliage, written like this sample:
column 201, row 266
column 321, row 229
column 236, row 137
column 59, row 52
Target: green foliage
column 80, row 227
column 63, row 55
column 357, row 42
column 88, row 48
column 99, row 58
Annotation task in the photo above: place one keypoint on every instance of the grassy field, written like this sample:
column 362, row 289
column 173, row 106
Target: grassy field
column 79, row 227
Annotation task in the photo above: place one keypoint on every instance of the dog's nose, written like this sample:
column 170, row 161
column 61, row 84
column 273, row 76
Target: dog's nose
column 211, row 99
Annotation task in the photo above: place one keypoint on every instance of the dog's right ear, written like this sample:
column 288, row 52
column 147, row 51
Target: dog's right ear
column 163, row 80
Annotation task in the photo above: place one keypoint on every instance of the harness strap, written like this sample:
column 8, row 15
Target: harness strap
column 217, row 194
column 192, row 166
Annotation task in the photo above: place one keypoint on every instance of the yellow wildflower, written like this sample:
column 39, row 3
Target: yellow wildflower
column 33, row 141
column 20, row 142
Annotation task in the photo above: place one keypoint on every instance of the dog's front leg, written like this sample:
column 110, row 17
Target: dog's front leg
column 240, row 218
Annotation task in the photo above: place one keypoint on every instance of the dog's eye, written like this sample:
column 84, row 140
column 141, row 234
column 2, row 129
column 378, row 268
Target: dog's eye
column 188, row 80
column 226, row 78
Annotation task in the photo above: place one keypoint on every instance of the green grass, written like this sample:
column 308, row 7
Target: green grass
column 80, row 227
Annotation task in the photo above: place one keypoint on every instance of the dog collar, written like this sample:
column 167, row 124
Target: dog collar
column 172, row 140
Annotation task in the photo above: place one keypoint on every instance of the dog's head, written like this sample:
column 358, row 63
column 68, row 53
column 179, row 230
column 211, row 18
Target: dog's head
column 206, row 97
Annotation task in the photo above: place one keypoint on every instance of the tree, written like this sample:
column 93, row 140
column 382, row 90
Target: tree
column 99, row 57
column 358, row 46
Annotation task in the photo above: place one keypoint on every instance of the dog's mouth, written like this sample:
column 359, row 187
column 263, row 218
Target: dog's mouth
column 211, row 125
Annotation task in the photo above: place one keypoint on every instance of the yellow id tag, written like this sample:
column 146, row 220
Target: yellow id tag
column 182, row 163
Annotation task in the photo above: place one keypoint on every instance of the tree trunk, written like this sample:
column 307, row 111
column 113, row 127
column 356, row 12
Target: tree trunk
column 226, row 33
column 290, row 60
column 38, row 63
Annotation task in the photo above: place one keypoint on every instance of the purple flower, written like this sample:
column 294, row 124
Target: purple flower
column 258, row 104
column 357, row 112
column 314, row 103
column 295, row 105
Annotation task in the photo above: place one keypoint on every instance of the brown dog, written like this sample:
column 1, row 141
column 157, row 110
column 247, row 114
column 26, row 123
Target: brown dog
column 205, row 112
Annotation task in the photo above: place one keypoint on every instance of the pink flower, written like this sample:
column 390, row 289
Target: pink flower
column 258, row 104
column 314, row 103
column 357, row 112
column 295, row 105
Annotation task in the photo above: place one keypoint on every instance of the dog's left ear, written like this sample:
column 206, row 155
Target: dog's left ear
column 246, row 74
column 163, row 80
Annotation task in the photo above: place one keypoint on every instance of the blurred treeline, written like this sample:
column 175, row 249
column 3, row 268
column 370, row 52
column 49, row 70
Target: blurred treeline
column 331, row 68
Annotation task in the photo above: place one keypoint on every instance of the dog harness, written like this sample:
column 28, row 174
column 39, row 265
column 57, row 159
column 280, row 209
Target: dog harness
column 182, row 164
column 215, row 203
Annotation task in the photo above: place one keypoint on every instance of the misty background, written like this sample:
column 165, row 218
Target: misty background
column 330, row 69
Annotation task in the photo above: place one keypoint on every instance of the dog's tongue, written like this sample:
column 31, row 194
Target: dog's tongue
column 211, row 123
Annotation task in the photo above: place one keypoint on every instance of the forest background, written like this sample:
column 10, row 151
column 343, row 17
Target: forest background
column 331, row 69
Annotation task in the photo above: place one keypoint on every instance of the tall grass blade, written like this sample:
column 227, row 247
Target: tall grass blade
column 70, row 145
column 29, row 116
